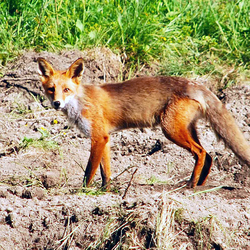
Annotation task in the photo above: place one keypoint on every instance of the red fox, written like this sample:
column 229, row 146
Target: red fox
column 174, row 103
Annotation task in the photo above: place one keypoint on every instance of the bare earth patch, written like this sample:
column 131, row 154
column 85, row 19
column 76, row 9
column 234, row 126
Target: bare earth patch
column 42, row 162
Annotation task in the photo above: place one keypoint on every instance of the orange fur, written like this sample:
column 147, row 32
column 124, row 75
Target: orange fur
column 171, row 102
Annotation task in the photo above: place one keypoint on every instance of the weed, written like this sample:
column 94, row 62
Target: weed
column 206, row 191
column 127, row 231
column 90, row 191
column 43, row 142
column 202, row 232
column 154, row 180
column 32, row 179
column 178, row 215
column 64, row 176
column 24, row 180
column 164, row 226
column 21, row 109
column 186, row 37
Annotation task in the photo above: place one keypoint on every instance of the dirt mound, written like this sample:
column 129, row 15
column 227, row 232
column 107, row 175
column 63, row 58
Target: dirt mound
column 100, row 64
column 42, row 162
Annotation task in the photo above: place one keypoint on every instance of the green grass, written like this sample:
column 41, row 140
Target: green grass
column 43, row 142
column 182, row 35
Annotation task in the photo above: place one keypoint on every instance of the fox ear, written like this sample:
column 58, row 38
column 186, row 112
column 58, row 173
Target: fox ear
column 44, row 68
column 76, row 69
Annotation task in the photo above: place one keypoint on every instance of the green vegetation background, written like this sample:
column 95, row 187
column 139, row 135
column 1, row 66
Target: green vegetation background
column 181, row 35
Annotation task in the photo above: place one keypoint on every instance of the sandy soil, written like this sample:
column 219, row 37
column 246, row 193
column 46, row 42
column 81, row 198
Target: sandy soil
column 42, row 162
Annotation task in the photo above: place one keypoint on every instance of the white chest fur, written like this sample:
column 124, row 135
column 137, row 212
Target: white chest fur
column 73, row 110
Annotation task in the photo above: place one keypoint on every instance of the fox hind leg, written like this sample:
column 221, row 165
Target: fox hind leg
column 208, row 160
column 205, row 170
column 178, row 125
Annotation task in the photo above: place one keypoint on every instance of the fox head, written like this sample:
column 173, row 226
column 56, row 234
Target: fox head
column 60, row 86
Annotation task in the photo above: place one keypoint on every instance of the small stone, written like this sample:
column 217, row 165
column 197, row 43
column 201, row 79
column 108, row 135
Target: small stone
column 26, row 194
column 38, row 193
column 9, row 219
column 50, row 179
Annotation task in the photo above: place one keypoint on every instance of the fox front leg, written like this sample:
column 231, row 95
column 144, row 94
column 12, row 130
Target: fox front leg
column 99, row 152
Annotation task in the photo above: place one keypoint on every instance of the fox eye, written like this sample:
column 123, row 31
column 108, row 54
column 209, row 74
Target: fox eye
column 52, row 89
column 66, row 90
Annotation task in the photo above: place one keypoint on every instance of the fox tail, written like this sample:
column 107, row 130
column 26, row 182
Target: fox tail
column 225, row 126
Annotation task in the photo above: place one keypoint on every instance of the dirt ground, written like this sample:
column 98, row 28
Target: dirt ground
column 42, row 162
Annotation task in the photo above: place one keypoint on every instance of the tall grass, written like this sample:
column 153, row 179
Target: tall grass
column 182, row 33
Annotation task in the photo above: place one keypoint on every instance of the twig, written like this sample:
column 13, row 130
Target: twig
column 125, row 170
column 18, row 79
column 66, row 238
column 34, row 119
column 80, row 165
column 176, row 189
column 129, row 184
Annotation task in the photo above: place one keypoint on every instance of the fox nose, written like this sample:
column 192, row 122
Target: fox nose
column 56, row 104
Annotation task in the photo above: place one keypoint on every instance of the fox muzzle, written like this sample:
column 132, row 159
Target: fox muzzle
column 56, row 104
